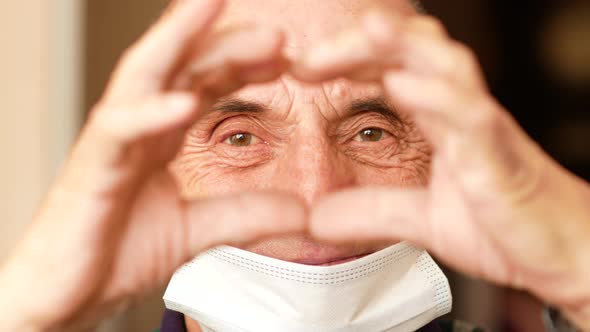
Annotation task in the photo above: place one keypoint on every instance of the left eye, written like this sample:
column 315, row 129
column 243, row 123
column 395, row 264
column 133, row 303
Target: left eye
column 241, row 139
column 370, row 135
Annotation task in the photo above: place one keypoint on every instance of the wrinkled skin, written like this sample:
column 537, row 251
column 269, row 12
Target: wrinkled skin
column 306, row 142
column 446, row 167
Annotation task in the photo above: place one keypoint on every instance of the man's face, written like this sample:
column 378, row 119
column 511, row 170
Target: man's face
column 307, row 140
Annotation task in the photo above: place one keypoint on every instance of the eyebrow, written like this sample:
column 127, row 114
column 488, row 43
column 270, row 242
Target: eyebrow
column 368, row 105
column 232, row 105
column 375, row 105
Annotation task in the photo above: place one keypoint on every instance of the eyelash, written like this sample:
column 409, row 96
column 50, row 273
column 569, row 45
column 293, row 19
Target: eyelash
column 359, row 127
column 233, row 130
column 385, row 134
column 253, row 139
column 360, row 124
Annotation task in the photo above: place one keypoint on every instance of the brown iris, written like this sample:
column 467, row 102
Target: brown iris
column 241, row 139
column 371, row 135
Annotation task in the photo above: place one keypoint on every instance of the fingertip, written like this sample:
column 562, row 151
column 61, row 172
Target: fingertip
column 256, row 45
column 302, row 72
column 293, row 212
column 317, row 65
column 326, row 216
column 297, row 219
column 182, row 108
column 265, row 62
column 399, row 83
column 380, row 30
column 340, row 56
column 180, row 102
column 264, row 72
column 238, row 57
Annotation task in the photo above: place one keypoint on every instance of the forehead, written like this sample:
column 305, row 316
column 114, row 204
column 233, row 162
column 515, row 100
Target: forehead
column 287, row 91
column 305, row 21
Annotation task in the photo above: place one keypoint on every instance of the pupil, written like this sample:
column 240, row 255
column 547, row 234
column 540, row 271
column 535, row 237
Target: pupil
column 241, row 139
column 372, row 134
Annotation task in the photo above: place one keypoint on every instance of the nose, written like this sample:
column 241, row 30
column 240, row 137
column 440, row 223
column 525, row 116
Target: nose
column 313, row 167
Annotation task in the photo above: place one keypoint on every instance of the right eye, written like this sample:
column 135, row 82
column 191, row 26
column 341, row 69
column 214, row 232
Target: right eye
column 241, row 139
column 370, row 135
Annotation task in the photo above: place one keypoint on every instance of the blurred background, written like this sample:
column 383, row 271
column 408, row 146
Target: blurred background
column 57, row 56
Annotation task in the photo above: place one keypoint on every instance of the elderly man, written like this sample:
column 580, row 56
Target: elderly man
column 315, row 136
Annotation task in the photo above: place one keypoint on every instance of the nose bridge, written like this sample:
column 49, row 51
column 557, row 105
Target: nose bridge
column 313, row 167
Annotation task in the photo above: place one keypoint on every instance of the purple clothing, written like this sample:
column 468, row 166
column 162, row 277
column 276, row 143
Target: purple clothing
column 174, row 322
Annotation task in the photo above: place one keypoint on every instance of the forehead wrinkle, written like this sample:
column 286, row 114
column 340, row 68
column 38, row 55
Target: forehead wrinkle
column 267, row 98
column 329, row 102
column 346, row 98
column 290, row 98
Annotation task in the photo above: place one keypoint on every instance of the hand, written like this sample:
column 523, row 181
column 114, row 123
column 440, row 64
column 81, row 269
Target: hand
column 497, row 207
column 114, row 227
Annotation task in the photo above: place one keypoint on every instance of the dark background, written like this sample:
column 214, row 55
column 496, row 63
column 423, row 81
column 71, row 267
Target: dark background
column 536, row 56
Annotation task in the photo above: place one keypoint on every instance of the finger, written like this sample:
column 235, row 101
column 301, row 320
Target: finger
column 147, row 66
column 372, row 214
column 478, row 138
column 236, row 58
column 119, row 124
column 440, row 83
column 243, row 47
column 437, row 100
column 381, row 42
column 340, row 56
column 242, row 219
column 421, row 45
column 362, row 51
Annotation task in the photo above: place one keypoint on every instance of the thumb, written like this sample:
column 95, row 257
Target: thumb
column 241, row 219
column 372, row 214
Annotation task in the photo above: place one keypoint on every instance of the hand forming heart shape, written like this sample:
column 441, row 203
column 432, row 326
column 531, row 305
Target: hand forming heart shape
column 497, row 207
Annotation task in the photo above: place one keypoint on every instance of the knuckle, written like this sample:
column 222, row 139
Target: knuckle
column 444, row 93
column 449, row 64
column 128, row 53
column 434, row 25
column 484, row 118
column 127, row 57
column 463, row 53
column 458, row 59
column 103, row 124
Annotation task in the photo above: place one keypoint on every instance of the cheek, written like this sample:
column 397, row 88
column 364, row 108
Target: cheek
column 206, row 177
column 410, row 167
column 402, row 176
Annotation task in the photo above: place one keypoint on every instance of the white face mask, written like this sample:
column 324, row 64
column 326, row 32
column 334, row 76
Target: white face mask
column 227, row 289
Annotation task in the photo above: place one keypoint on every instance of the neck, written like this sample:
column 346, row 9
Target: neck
column 191, row 325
